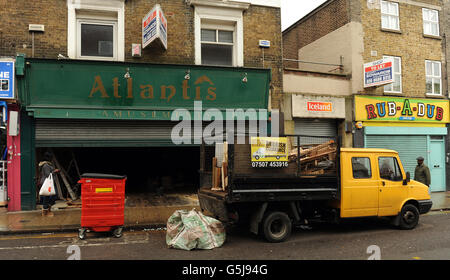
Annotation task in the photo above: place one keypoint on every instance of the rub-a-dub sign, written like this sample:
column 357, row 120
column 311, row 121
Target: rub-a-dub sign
column 374, row 108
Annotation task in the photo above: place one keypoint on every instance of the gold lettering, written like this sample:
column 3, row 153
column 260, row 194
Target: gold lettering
column 185, row 88
column 98, row 86
column 147, row 89
column 118, row 114
column 105, row 114
column 143, row 115
column 197, row 94
column 130, row 87
column 116, row 87
column 211, row 94
column 163, row 92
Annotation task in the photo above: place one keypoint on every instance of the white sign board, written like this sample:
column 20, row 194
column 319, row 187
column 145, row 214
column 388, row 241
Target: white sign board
column 6, row 79
column 154, row 27
column 379, row 72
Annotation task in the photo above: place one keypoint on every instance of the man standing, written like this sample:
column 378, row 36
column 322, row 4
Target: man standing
column 422, row 173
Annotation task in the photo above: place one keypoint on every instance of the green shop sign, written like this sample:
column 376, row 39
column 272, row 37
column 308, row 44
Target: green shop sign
column 112, row 90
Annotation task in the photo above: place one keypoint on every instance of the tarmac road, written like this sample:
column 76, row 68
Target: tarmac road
column 349, row 241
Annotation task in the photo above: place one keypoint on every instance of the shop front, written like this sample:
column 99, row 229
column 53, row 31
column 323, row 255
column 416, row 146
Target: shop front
column 318, row 115
column 124, row 118
column 414, row 127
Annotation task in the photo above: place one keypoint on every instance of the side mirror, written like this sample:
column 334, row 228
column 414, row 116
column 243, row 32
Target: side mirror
column 408, row 179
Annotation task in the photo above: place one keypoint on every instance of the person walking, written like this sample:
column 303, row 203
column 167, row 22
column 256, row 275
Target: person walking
column 422, row 173
column 46, row 167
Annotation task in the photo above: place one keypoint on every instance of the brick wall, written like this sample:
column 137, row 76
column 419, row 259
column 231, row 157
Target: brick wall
column 327, row 18
column 410, row 44
column 15, row 37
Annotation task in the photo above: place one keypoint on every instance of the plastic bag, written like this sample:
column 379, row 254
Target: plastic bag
column 48, row 187
column 189, row 230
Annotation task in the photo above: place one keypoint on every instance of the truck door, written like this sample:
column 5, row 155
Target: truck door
column 359, row 188
column 391, row 188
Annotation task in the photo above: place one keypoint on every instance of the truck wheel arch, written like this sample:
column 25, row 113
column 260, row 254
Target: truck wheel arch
column 288, row 207
column 396, row 219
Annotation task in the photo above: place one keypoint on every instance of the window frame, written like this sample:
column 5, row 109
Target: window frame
column 218, row 28
column 112, row 23
column 396, row 162
column 432, row 77
column 389, row 15
column 424, row 11
column 395, row 73
column 369, row 169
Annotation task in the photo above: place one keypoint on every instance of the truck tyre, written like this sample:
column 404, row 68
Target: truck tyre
column 409, row 217
column 276, row 227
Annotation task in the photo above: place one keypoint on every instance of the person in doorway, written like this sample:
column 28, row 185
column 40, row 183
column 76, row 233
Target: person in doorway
column 422, row 173
column 46, row 167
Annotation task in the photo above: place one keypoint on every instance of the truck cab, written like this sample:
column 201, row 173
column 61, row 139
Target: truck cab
column 374, row 183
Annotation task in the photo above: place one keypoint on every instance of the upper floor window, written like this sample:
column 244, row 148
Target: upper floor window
column 96, row 30
column 389, row 15
column 396, row 86
column 217, row 47
column 430, row 22
column 433, row 77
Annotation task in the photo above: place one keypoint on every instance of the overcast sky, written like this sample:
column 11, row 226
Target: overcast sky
column 293, row 10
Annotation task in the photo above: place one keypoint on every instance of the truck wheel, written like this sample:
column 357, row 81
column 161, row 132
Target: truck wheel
column 409, row 216
column 276, row 227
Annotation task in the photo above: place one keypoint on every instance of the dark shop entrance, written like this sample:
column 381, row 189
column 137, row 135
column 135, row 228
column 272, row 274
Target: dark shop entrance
column 158, row 172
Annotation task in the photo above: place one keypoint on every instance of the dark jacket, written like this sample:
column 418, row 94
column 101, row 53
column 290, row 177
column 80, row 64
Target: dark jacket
column 422, row 174
column 46, row 168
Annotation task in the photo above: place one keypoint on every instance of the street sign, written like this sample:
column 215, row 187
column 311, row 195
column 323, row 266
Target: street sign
column 154, row 27
column 378, row 72
column 6, row 79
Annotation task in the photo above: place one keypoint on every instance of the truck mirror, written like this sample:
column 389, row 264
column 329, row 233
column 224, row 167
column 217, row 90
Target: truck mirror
column 408, row 179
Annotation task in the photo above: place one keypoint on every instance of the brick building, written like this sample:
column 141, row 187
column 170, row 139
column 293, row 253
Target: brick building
column 109, row 98
column 331, row 46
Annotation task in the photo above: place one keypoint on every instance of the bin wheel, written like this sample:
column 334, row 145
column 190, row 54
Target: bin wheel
column 118, row 232
column 82, row 233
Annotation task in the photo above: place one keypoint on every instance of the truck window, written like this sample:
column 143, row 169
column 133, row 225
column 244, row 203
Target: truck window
column 389, row 169
column 361, row 168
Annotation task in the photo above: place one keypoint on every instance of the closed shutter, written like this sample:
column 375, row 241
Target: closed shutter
column 102, row 133
column 409, row 147
column 316, row 127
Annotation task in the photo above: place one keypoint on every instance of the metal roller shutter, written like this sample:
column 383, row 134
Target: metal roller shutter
column 102, row 133
column 316, row 127
column 409, row 147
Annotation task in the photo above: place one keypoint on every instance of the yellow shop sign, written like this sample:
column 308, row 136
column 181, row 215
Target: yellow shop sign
column 382, row 108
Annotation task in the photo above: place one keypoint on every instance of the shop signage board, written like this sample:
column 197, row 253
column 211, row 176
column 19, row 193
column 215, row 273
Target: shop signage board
column 380, row 72
column 269, row 151
column 317, row 106
column 154, row 27
column 6, row 79
column 395, row 109
column 104, row 90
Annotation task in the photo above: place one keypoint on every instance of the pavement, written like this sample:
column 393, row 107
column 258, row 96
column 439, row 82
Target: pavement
column 135, row 217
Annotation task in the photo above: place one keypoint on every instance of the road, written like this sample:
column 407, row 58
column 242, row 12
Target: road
column 356, row 240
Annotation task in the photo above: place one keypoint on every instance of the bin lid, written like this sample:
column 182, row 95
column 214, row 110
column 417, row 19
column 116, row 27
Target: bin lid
column 102, row 176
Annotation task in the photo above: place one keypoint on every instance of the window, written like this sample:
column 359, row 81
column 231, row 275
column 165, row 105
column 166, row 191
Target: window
column 96, row 30
column 361, row 168
column 396, row 86
column 96, row 39
column 389, row 169
column 217, row 47
column 430, row 22
column 433, row 77
column 389, row 15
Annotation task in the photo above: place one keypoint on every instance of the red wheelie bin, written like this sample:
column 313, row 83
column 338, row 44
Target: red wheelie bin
column 102, row 203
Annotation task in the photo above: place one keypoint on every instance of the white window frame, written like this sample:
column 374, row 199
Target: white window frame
column 218, row 28
column 95, row 11
column 395, row 73
column 218, row 13
column 97, row 22
column 433, row 77
column 425, row 16
column 390, row 15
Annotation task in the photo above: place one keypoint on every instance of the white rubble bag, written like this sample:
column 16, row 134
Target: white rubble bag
column 189, row 230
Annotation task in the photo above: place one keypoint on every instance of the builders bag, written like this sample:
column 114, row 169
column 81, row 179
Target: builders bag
column 189, row 230
column 48, row 187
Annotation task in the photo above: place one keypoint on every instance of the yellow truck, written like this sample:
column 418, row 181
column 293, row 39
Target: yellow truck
column 320, row 182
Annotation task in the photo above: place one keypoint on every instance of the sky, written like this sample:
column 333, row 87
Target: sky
column 293, row 10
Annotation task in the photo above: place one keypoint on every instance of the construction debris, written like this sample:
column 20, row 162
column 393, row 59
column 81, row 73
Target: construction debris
column 315, row 159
